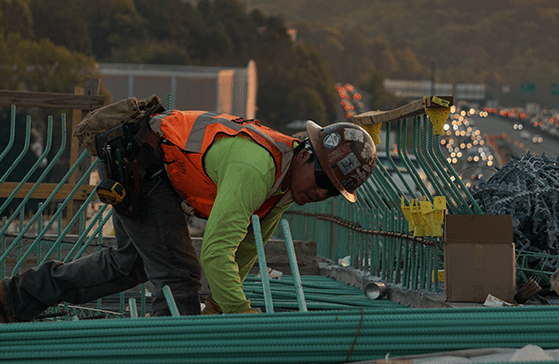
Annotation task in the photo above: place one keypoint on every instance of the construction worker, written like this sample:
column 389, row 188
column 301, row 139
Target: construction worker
column 218, row 167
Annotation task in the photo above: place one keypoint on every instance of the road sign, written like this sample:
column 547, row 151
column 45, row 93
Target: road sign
column 555, row 89
column 527, row 88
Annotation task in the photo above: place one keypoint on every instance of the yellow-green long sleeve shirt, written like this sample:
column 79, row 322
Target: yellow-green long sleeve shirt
column 244, row 173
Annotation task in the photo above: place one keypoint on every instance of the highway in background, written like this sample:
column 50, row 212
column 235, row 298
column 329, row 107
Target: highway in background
column 477, row 143
column 486, row 143
column 507, row 139
column 519, row 140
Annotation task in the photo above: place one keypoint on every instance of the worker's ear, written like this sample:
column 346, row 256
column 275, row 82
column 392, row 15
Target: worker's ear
column 303, row 156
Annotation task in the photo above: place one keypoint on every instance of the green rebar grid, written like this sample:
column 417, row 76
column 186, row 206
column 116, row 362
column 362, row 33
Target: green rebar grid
column 393, row 259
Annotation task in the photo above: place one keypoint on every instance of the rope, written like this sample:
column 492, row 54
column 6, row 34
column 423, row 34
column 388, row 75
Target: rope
column 356, row 335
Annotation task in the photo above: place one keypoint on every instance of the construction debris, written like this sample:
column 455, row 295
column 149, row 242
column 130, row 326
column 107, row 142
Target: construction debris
column 527, row 291
column 527, row 188
column 554, row 281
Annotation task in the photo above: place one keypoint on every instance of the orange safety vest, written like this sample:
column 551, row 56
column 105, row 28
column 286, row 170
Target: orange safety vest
column 187, row 135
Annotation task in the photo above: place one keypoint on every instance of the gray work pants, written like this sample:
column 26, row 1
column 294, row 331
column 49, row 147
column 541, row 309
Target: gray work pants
column 157, row 248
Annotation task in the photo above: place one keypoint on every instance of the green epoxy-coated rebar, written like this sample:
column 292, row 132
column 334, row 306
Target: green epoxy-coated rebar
column 367, row 190
column 320, row 293
column 294, row 266
column 402, row 153
column 100, row 247
column 394, row 166
column 419, row 156
column 39, row 226
column 62, row 234
column 287, row 337
column 169, row 101
column 289, row 304
column 20, row 208
column 295, row 337
column 35, row 166
column 133, row 308
column 473, row 202
column 171, row 301
column 47, row 201
column 8, row 147
column 324, row 284
column 432, row 143
column 91, row 237
column 382, row 256
column 21, row 155
column 381, row 178
column 262, row 263
column 355, row 301
column 3, row 262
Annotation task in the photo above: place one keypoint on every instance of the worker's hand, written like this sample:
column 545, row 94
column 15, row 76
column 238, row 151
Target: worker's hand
column 211, row 308
column 251, row 310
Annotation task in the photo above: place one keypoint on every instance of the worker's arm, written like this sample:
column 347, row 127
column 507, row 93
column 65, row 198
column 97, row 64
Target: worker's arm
column 244, row 173
column 247, row 253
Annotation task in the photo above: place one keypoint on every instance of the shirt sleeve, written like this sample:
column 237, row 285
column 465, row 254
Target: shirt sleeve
column 244, row 173
column 246, row 252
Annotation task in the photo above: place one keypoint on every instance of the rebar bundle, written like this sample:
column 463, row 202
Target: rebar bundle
column 296, row 337
column 321, row 293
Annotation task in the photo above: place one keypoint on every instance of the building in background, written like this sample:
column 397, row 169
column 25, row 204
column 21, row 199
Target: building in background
column 413, row 90
column 230, row 90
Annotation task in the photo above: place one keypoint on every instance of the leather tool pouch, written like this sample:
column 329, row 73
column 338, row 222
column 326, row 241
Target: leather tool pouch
column 130, row 153
column 121, row 136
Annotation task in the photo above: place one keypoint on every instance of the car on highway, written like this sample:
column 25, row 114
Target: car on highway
column 525, row 135
column 405, row 172
column 473, row 155
column 537, row 139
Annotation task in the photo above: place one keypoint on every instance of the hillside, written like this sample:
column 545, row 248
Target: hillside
column 499, row 43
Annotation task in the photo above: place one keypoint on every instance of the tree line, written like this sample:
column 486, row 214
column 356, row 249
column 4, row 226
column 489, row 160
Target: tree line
column 50, row 45
column 53, row 45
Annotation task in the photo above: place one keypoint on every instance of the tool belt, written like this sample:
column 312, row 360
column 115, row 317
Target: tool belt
column 130, row 153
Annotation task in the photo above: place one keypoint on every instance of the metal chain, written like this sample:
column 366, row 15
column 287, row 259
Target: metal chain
column 356, row 227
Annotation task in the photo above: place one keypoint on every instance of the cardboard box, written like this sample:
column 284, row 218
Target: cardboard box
column 479, row 258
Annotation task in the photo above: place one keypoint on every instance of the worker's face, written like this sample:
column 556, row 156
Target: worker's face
column 304, row 188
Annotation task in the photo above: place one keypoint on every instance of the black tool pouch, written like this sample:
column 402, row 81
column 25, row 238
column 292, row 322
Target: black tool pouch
column 130, row 152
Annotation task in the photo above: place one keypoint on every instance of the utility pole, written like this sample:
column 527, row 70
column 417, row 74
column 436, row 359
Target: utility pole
column 433, row 78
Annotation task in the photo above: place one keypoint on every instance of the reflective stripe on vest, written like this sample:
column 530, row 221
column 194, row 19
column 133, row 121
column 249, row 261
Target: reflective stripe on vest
column 188, row 135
